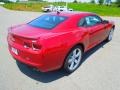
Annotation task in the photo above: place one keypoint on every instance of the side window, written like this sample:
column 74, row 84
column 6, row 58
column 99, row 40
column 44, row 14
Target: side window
column 81, row 22
column 92, row 20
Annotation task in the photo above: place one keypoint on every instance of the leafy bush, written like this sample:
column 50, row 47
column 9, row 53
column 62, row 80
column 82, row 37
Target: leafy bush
column 75, row 1
column 92, row 1
column 6, row 1
column 101, row 2
column 118, row 3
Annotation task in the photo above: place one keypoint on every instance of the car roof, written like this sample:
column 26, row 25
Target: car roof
column 72, row 13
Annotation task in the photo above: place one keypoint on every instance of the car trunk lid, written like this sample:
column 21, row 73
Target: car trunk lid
column 28, row 32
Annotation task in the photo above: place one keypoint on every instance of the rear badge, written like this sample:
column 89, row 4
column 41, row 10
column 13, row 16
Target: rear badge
column 14, row 50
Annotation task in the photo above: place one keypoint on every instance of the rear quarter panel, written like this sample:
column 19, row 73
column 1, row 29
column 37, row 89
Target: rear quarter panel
column 56, row 47
column 108, row 27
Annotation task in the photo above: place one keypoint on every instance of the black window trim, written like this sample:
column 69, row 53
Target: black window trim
column 50, row 15
column 89, row 16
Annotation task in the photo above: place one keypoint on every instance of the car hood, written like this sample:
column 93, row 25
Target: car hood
column 28, row 31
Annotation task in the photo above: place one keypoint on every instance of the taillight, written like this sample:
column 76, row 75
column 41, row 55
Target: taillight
column 11, row 37
column 27, row 45
column 35, row 46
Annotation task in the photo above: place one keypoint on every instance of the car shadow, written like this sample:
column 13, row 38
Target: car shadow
column 54, row 75
column 41, row 76
column 92, row 51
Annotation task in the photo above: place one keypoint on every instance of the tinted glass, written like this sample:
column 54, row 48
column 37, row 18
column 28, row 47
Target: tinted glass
column 47, row 21
column 92, row 20
column 81, row 22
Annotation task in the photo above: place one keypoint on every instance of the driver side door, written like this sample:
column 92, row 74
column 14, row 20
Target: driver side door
column 93, row 24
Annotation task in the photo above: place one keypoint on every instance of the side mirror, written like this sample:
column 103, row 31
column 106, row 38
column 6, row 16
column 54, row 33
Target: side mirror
column 105, row 21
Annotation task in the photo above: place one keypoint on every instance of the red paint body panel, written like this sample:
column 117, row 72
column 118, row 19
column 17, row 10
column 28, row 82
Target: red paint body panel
column 54, row 44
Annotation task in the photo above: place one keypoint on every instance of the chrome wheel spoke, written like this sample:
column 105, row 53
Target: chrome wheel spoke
column 111, row 34
column 72, row 65
column 74, row 59
column 70, row 61
column 74, row 52
column 77, row 55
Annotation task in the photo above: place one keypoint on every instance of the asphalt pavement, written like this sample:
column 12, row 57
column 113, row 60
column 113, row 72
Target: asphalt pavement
column 99, row 71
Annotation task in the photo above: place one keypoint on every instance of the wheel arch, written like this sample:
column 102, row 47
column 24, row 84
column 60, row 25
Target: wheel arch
column 78, row 44
column 113, row 26
column 81, row 45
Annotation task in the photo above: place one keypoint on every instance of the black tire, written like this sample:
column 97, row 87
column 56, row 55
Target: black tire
column 66, row 63
column 110, row 38
column 48, row 10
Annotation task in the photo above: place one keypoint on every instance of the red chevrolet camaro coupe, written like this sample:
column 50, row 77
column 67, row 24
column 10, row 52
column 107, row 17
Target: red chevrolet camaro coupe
column 58, row 40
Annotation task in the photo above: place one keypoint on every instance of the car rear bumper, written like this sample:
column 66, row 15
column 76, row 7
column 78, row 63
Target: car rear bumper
column 29, row 58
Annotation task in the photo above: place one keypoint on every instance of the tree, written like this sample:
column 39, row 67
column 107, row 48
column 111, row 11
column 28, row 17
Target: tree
column 107, row 2
column 118, row 3
column 93, row 1
column 75, row 1
column 6, row 1
column 101, row 2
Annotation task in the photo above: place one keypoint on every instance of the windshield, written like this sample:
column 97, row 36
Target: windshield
column 47, row 21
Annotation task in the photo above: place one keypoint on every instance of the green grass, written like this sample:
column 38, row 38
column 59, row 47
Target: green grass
column 103, row 10
column 99, row 9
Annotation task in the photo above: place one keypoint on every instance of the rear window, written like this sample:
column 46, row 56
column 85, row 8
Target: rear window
column 47, row 21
